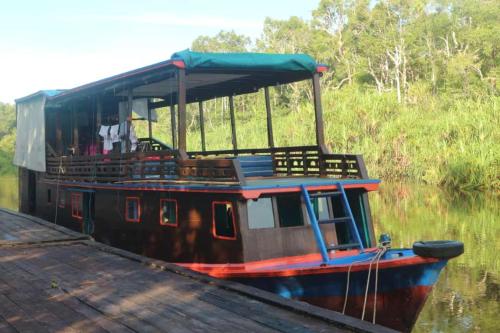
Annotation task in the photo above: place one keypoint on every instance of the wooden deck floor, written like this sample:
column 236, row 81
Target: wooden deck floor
column 55, row 280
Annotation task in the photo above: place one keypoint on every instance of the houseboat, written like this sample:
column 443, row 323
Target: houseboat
column 291, row 220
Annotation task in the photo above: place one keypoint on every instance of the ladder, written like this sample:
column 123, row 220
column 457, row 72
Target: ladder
column 347, row 218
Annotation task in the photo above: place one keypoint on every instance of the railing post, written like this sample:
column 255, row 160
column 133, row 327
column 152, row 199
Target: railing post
column 202, row 126
column 318, row 111
column 270, row 137
column 233, row 123
column 173, row 126
column 181, row 107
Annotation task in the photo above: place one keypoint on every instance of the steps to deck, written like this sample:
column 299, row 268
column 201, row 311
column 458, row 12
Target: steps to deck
column 54, row 280
column 348, row 218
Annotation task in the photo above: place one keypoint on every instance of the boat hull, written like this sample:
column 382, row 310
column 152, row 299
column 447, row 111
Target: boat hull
column 403, row 286
column 401, row 292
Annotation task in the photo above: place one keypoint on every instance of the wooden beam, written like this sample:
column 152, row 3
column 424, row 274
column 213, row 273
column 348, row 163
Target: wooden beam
column 181, row 108
column 98, row 121
column 202, row 126
column 150, row 128
column 318, row 111
column 173, row 126
column 130, row 97
column 59, row 144
column 233, row 123
column 270, row 136
column 75, row 129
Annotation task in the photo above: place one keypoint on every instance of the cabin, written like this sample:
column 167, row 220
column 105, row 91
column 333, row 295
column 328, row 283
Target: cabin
column 81, row 165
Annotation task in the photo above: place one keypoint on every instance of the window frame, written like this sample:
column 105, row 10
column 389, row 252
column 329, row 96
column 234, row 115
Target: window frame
column 214, row 229
column 138, row 200
column 61, row 200
column 76, row 210
column 176, row 224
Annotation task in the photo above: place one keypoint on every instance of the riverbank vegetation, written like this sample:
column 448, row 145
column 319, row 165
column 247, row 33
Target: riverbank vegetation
column 412, row 86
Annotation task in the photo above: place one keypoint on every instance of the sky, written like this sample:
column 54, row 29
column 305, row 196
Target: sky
column 53, row 44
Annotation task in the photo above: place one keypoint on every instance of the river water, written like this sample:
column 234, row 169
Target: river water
column 467, row 296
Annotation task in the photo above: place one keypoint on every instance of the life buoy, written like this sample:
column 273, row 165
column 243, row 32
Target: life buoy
column 442, row 249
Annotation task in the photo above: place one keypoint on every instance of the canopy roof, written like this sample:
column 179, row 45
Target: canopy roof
column 208, row 75
column 246, row 61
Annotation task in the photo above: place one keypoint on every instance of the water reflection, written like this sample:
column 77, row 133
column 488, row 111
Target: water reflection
column 9, row 192
column 466, row 298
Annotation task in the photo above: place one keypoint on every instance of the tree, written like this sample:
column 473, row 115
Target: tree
column 224, row 41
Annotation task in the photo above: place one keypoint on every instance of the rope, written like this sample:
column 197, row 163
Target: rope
column 377, row 257
column 348, row 280
column 376, row 286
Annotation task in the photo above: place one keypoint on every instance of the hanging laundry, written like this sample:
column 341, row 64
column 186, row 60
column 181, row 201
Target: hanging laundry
column 104, row 132
column 114, row 133
column 133, row 139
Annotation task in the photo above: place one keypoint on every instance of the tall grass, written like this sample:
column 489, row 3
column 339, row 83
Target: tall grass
column 437, row 140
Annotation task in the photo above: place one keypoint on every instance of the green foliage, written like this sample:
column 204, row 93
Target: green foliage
column 224, row 41
column 7, row 138
column 442, row 141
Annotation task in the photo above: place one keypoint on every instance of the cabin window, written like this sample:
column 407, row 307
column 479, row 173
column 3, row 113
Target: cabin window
column 290, row 210
column 260, row 213
column 358, row 209
column 320, row 206
column 132, row 209
column 49, row 195
column 76, row 205
column 168, row 212
column 62, row 199
column 223, row 220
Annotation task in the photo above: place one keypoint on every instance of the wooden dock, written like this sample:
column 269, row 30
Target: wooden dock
column 56, row 280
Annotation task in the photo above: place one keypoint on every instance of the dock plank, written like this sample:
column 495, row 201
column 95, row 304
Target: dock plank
column 56, row 280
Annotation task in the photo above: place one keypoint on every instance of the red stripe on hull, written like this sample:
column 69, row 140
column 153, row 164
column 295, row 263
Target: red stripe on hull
column 397, row 309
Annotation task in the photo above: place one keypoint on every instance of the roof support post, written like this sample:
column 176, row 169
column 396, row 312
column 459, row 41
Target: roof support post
column 59, row 143
column 75, row 129
column 233, row 123
column 130, row 97
column 150, row 129
column 202, row 126
column 173, row 126
column 98, row 120
column 270, row 137
column 181, row 108
column 318, row 112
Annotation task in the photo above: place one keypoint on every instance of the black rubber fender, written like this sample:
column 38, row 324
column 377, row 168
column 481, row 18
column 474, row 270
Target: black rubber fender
column 442, row 249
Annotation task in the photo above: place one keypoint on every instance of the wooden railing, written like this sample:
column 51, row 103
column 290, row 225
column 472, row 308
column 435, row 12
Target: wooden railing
column 157, row 165
column 213, row 166
column 301, row 161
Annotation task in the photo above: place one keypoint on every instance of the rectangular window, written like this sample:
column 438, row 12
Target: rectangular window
column 320, row 206
column 62, row 199
column 49, row 195
column 76, row 205
column 223, row 220
column 168, row 212
column 290, row 210
column 132, row 209
column 260, row 213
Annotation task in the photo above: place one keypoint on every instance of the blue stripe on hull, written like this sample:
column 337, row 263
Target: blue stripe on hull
column 334, row 284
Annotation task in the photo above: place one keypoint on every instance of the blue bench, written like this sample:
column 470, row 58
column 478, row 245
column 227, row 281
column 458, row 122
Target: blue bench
column 256, row 165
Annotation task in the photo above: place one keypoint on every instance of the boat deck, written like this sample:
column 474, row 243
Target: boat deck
column 53, row 279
